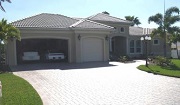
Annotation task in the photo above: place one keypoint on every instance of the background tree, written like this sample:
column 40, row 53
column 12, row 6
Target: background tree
column 175, row 38
column 105, row 12
column 135, row 20
column 7, row 31
column 165, row 24
column 1, row 7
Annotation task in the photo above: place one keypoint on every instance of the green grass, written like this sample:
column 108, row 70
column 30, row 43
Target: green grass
column 17, row 91
column 172, row 71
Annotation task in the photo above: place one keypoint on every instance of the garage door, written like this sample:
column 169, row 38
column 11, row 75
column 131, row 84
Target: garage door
column 92, row 49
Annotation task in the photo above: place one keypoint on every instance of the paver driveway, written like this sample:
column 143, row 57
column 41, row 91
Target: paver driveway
column 100, row 83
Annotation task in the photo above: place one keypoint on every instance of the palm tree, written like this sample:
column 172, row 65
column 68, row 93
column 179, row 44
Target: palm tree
column 135, row 20
column 1, row 7
column 175, row 38
column 105, row 12
column 165, row 24
column 7, row 31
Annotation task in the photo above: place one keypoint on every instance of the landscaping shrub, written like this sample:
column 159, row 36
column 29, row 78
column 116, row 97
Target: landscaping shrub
column 161, row 61
column 124, row 58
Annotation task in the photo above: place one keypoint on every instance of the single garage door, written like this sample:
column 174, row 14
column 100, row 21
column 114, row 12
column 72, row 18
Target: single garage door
column 92, row 49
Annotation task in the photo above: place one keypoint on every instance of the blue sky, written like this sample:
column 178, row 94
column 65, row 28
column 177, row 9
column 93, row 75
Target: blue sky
column 19, row 9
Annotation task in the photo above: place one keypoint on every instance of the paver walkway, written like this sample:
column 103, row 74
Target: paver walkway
column 100, row 83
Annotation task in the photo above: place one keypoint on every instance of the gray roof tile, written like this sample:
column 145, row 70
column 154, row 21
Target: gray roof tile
column 106, row 17
column 46, row 20
column 135, row 31
column 88, row 24
column 139, row 31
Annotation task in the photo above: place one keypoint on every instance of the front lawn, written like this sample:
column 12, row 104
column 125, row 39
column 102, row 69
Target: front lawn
column 17, row 91
column 173, row 71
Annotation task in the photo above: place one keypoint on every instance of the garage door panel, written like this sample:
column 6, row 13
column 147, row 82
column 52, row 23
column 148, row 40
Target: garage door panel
column 92, row 49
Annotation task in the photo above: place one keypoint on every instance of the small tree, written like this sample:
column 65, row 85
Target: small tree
column 7, row 31
column 105, row 12
column 1, row 7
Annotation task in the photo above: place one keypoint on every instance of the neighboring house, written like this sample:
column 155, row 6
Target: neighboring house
column 81, row 40
column 173, row 46
column 174, row 50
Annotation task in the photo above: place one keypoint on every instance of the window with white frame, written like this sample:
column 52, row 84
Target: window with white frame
column 155, row 42
column 132, row 45
column 138, row 46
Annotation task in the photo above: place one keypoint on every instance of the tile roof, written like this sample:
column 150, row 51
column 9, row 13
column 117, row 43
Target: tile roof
column 135, row 31
column 106, row 17
column 139, row 31
column 84, row 23
column 46, row 20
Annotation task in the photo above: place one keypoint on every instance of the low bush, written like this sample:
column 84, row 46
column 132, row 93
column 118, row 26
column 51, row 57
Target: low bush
column 123, row 58
column 161, row 61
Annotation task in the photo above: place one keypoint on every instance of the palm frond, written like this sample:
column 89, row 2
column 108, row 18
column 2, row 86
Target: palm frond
column 172, row 10
column 172, row 19
column 158, row 19
column 8, row 31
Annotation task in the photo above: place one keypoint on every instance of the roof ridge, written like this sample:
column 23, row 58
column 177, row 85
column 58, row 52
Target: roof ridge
column 26, row 18
column 77, row 23
column 115, row 17
column 82, row 20
column 90, row 17
column 41, row 14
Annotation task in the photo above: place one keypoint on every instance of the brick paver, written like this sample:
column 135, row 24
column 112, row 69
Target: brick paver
column 100, row 84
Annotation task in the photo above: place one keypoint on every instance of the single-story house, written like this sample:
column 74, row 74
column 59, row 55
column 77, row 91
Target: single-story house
column 79, row 39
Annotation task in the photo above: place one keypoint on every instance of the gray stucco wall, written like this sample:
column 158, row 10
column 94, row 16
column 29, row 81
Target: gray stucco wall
column 74, row 44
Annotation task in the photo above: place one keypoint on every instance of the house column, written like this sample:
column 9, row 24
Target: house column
column 110, row 44
column 11, row 53
column 127, row 45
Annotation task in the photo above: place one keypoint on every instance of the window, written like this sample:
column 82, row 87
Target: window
column 122, row 29
column 156, row 42
column 132, row 46
column 138, row 46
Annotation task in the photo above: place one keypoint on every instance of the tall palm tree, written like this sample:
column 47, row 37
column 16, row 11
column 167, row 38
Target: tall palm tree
column 165, row 24
column 7, row 31
column 135, row 20
column 1, row 7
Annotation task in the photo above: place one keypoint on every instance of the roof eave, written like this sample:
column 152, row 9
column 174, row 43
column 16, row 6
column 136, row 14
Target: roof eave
column 43, row 28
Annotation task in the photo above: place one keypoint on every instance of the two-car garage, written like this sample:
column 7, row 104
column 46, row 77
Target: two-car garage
column 36, row 50
column 39, row 50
